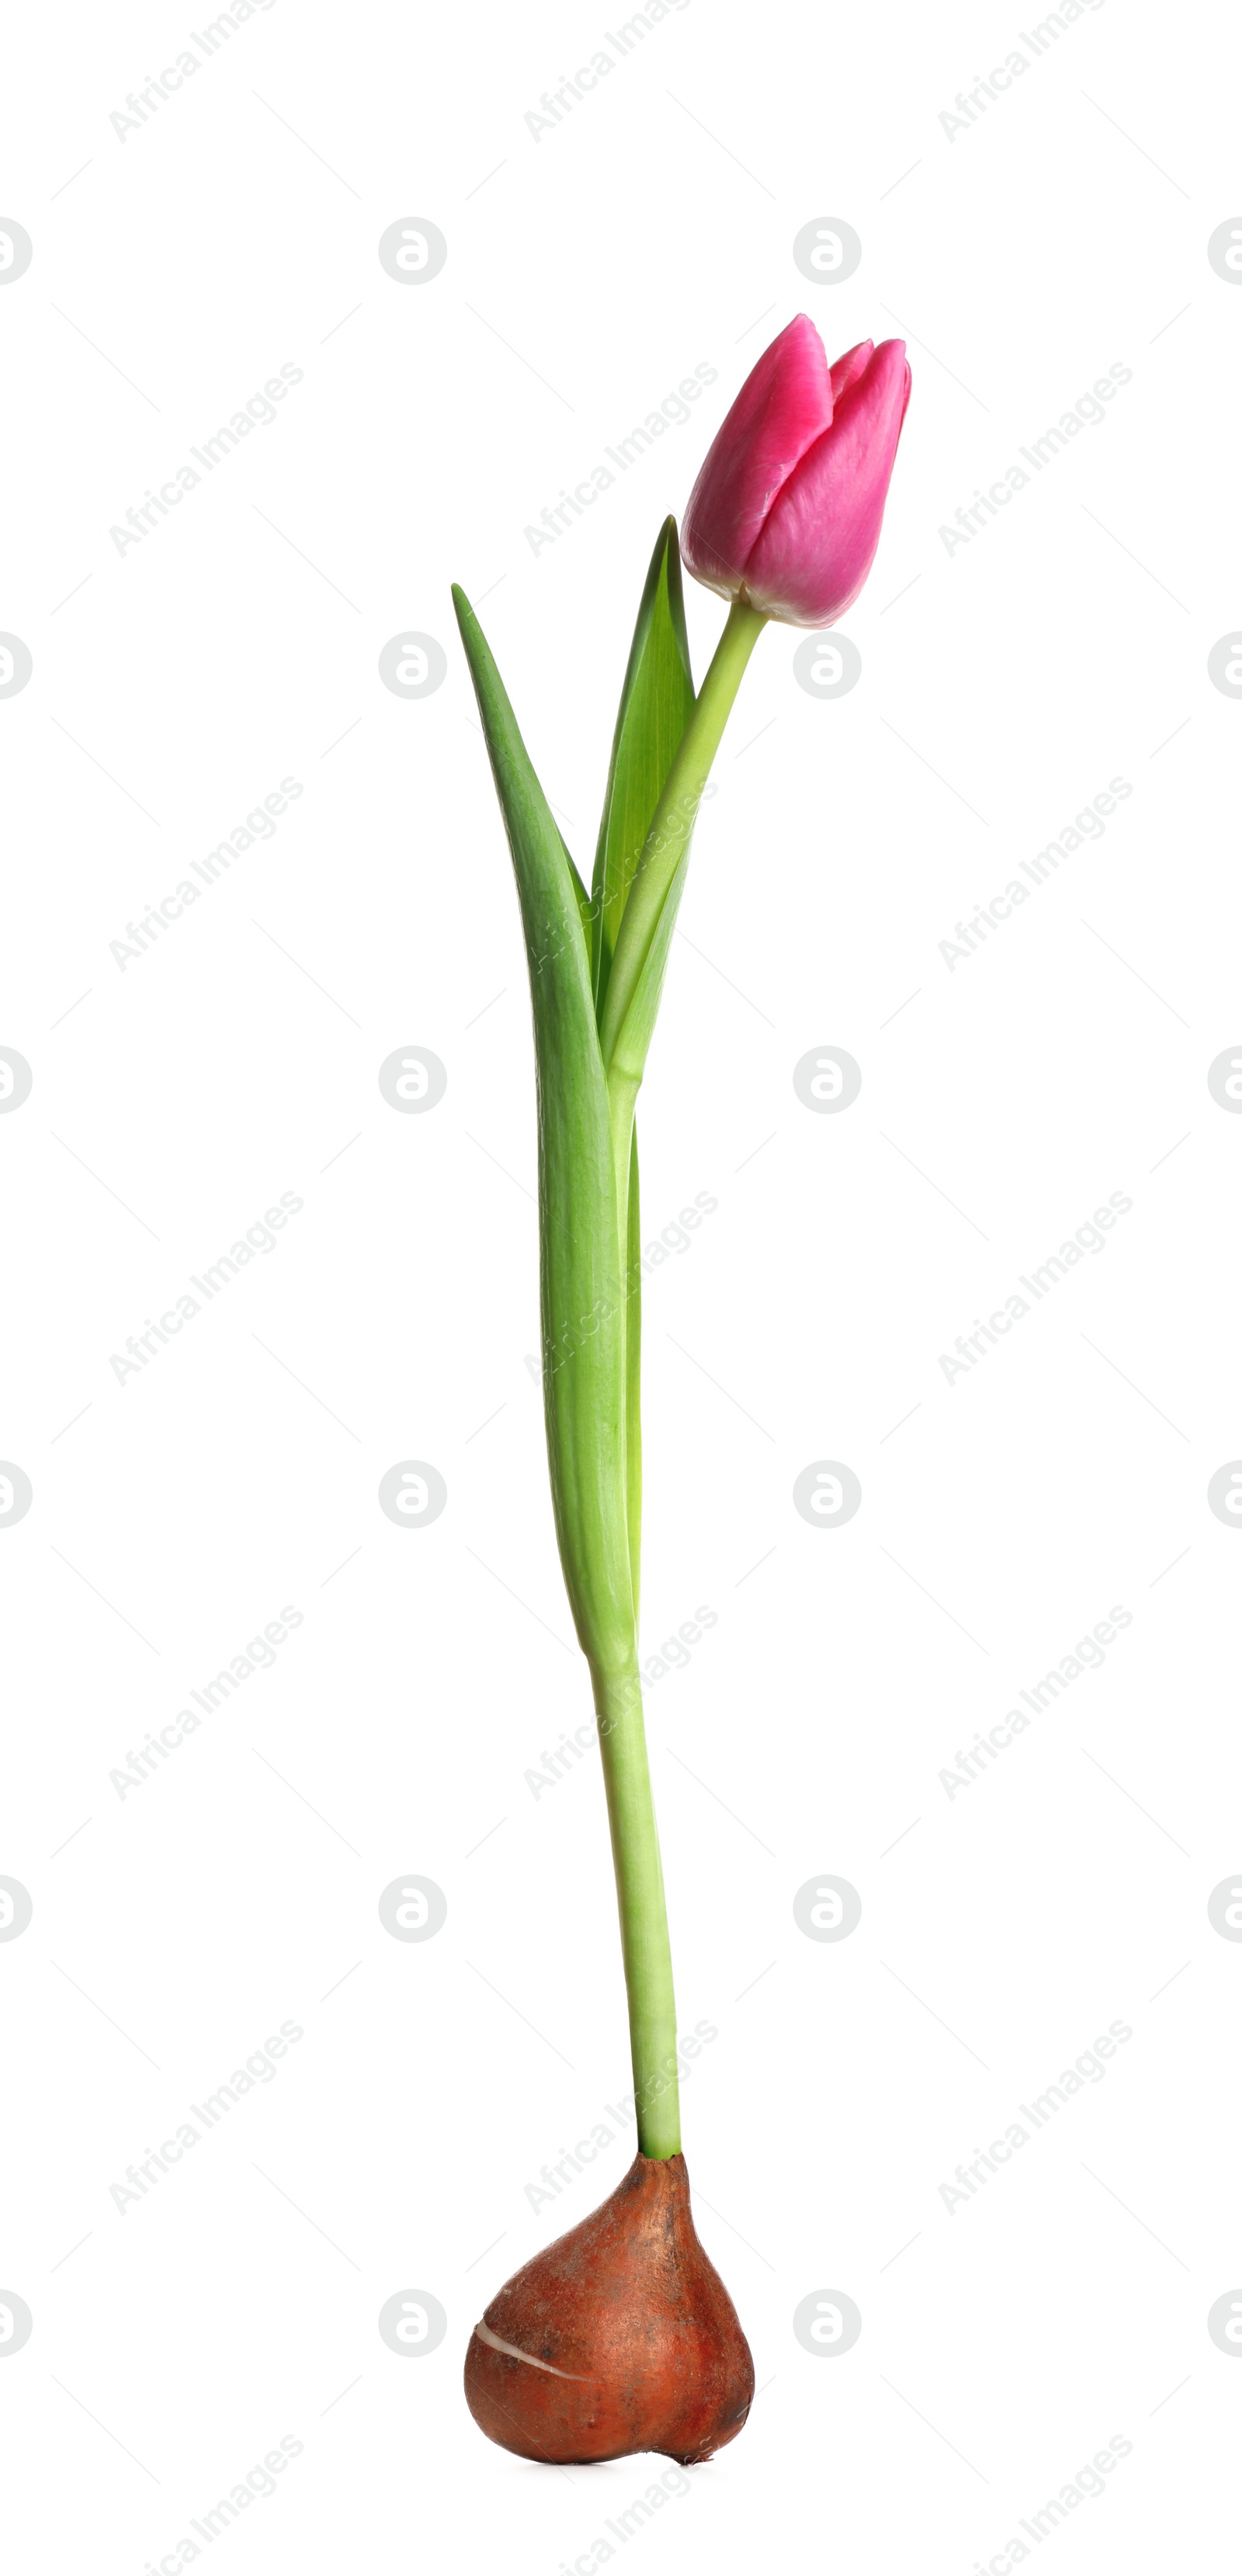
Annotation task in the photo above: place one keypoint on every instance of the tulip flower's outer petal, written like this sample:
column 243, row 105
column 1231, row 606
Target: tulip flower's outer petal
column 817, row 545
column 783, row 407
column 845, row 371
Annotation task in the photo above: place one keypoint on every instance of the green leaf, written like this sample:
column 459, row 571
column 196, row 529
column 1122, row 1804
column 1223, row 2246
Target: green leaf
column 582, row 897
column 633, row 1388
column 636, row 975
column 657, row 700
column 581, row 1288
column 629, row 1056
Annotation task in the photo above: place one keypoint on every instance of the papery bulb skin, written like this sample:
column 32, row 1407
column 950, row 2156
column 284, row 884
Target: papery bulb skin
column 620, row 2337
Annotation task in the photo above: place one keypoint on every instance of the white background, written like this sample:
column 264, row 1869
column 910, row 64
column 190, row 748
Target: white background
column 175, row 1099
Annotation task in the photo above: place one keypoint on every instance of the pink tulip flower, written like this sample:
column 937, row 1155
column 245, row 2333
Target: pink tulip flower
column 786, row 511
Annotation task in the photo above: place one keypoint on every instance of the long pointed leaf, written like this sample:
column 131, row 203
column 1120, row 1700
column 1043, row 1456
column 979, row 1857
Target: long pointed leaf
column 633, row 1386
column 657, row 698
column 634, row 1037
column 581, row 1287
column 581, row 896
column 656, row 702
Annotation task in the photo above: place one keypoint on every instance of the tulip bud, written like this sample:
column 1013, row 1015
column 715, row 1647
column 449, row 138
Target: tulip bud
column 787, row 509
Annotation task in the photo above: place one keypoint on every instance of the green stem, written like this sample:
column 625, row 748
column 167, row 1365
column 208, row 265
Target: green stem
column 640, row 1903
column 673, row 823
column 618, row 1696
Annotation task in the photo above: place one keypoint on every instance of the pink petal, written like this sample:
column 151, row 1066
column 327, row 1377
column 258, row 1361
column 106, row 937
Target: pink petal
column 785, row 404
column 813, row 554
column 846, row 371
